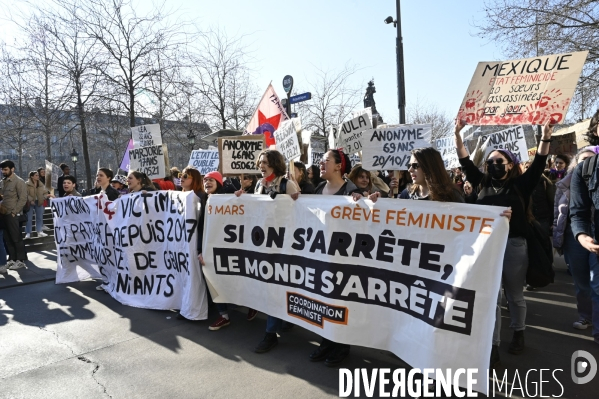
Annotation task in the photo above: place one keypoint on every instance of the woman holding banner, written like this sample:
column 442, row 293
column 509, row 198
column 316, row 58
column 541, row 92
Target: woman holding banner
column 430, row 181
column 138, row 181
column 503, row 184
column 103, row 178
column 334, row 165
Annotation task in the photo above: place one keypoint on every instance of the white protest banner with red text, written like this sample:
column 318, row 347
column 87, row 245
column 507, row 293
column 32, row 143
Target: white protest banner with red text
column 390, row 148
column 398, row 275
column 526, row 91
column 143, row 246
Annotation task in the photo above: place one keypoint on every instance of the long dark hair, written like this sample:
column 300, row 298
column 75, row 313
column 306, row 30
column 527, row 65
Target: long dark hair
column 303, row 172
column 337, row 155
column 591, row 134
column 316, row 180
column 512, row 174
column 440, row 186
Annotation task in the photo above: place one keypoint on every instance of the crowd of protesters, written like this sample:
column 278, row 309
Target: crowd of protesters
column 559, row 192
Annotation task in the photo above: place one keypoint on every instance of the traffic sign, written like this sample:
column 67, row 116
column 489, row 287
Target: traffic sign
column 300, row 97
column 288, row 83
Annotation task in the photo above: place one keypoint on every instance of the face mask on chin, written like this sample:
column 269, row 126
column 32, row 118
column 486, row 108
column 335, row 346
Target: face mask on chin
column 497, row 171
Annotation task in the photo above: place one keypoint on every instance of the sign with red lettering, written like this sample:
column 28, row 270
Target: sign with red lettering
column 528, row 91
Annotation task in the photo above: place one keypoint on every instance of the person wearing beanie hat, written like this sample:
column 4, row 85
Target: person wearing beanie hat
column 214, row 175
column 213, row 183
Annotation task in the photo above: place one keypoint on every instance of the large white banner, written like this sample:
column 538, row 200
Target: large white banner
column 398, row 275
column 390, row 148
column 143, row 246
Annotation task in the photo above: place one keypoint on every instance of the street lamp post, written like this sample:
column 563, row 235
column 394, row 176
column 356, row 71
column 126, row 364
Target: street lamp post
column 192, row 138
column 401, row 87
column 74, row 156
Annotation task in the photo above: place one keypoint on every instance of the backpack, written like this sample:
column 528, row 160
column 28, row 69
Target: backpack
column 589, row 166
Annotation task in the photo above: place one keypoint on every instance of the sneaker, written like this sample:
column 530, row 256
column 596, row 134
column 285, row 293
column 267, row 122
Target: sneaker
column 219, row 323
column 494, row 357
column 517, row 344
column 286, row 327
column 17, row 265
column 9, row 264
column 322, row 352
column 100, row 288
column 582, row 324
column 46, row 228
column 42, row 234
column 252, row 314
column 3, row 269
column 27, row 236
column 530, row 288
column 270, row 341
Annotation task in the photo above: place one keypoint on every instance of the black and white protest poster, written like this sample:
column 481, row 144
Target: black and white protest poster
column 563, row 144
column 143, row 246
column 146, row 135
column 238, row 155
column 378, row 275
column 511, row 139
column 390, row 148
column 204, row 160
column 349, row 136
column 446, row 146
column 286, row 139
column 53, row 172
column 151, row 160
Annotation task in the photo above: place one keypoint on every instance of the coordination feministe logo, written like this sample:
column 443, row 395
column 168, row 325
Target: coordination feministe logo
column 432, row 383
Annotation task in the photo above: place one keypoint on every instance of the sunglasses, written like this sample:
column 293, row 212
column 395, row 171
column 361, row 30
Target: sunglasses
column 183, row 175
column 498, row 161
column 413, row 165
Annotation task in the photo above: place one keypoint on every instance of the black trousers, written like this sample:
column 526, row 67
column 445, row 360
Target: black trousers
column 13, row 237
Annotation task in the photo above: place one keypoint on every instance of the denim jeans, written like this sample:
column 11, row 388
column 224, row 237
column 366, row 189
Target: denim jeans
column 584, row 266
column 39, row 218
column 513, row 279
column 3, row 253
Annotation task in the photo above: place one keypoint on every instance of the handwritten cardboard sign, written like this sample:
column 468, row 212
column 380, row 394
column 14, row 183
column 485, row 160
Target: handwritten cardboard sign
column 204, row 160
column 286, row 139
column 525, row 91
column 146, row 135
column 390, row 148
column 150, row 160
column 238, row 155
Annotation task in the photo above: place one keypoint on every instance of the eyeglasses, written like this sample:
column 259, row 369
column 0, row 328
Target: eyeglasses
column 183, row 175
column 413, row 166
column 498, row 161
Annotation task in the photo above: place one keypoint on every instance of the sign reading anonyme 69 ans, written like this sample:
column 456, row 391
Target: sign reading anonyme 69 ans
column 390, row 148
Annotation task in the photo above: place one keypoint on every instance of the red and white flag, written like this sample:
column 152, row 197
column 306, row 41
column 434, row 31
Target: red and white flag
column 269, row 114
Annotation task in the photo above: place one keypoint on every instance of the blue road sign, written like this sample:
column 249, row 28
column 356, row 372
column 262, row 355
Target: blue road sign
column 300, row 97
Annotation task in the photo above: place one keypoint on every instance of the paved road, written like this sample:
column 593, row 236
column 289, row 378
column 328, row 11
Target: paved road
column 71, row 341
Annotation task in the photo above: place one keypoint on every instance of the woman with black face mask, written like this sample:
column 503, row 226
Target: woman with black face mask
column 503, row 184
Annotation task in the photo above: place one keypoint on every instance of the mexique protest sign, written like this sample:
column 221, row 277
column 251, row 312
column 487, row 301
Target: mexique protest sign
column 526, row 91
column 239, row 154
column 397, row 275
column 204, row 160
column 390, row 148
column 144, row 247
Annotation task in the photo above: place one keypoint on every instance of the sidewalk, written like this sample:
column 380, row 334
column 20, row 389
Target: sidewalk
column 41, row 266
